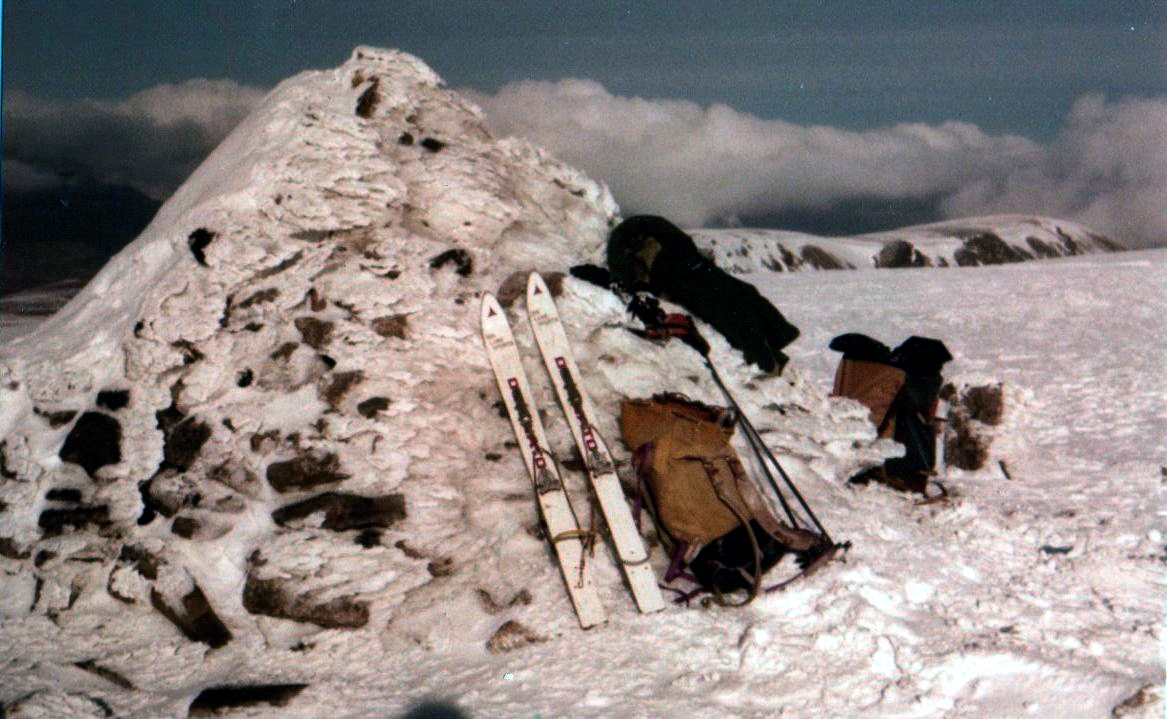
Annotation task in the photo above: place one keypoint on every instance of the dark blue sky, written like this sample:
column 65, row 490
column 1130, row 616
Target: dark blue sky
column 1012, row 67
column 844, row 116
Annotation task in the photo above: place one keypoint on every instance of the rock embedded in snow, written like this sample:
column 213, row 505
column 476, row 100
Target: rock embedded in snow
column 974, row 413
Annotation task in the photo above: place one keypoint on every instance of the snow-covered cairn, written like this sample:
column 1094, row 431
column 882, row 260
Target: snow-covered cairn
column 271, row 415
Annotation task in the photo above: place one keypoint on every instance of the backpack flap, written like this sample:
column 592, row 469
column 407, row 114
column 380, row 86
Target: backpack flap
column 874, row 384
column 687, row 465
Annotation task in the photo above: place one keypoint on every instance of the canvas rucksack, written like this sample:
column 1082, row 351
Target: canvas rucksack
column 900, row 389
column 712, row 517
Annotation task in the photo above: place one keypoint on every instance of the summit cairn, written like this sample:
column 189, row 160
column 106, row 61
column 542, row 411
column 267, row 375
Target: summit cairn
column 271, row 416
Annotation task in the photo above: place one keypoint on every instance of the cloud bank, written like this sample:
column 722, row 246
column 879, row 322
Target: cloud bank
column 697, row 165
column 709, row 165
column 151, row 141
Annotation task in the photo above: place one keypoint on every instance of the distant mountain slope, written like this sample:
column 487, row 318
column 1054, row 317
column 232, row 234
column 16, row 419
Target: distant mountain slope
column 991, row 240
column 67, row 233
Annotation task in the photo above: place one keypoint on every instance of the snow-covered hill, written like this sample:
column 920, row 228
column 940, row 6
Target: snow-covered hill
column 258, row 462
column 994, row 240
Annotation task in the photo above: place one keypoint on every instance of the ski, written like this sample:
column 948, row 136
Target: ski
column 563, row 530
column 601, row 469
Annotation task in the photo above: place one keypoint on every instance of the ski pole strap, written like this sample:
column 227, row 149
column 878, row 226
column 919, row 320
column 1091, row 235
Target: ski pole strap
column 659, row 324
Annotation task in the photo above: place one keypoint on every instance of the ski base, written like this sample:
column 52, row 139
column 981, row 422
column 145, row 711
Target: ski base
column 563, row 529
column 556, row 352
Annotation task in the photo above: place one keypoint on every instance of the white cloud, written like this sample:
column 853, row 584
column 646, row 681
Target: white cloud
column 1107, row 169
column 151, row 141
column 698, row 165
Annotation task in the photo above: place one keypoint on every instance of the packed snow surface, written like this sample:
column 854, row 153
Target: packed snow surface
column 302, row 316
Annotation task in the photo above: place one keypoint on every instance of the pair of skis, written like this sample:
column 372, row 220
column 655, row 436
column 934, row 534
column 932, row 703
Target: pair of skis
column 566, row 536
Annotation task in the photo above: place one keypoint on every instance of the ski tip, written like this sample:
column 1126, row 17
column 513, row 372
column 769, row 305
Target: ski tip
column 536, row 286
column 490, row 306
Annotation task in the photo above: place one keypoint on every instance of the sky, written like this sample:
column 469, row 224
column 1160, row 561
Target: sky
column 835, row 118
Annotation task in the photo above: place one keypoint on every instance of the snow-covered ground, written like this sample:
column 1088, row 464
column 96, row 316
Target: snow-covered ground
column 945, row 611
column 305, row 310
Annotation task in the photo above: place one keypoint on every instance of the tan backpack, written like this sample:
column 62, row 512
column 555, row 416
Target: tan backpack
column 710, row 512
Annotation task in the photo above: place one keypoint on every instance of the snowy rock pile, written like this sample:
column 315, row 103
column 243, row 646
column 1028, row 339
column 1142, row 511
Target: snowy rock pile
column 271, row 416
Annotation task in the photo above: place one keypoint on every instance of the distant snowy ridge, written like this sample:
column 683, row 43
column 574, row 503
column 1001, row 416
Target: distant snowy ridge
column 973, row 241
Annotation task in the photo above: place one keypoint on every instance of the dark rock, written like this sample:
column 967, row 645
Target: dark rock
column 369, row 538
column 554, row 281
column 510, row 636
column 190, row 351
column 343, row 511
column 237, row 477
column 194, row 617
column 260, row 297
column 1042, row 249
column 433, row 144
column 284, row 351
column 493, row 606
column 315, row 333
column 183, row 442
column 64, row 494
column 55, row 521
column 213, row 700
column 269, row 598
column 392, row 326
column 369, row 99
column 441, row 567
column 56, row 419
column 316, row 303
column 462, row 260
column 198, row 241
column 5, row 471
column 113, row 399
column 901, row 253
column 339, row 385
column 94, row 442
column 820, row 259
column 370, row 407
column 965, row 446
column 185, row 527
column 105, row 673
column 986, row 403
column 512, row 288
column 305, row 472
column 9, row 548
column 142, row 560
column 988, row 249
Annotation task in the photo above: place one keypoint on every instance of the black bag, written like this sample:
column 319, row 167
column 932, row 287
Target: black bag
column 901, row 388
column 649, row 253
